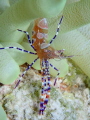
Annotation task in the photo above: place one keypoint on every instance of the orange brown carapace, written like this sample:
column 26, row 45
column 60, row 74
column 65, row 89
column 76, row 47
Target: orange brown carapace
column 40, row 33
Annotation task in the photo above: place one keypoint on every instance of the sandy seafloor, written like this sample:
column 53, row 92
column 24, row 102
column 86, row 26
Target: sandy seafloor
column 70, row 98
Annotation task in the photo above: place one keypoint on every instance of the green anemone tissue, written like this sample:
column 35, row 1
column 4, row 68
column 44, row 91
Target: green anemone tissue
column 9, row 69
column 76, row 44
column 2, row 114
column 19, row 56
column 74, row 36
column 4, row 4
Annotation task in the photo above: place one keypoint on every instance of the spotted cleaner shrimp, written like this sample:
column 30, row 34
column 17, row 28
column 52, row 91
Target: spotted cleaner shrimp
column 44, row 52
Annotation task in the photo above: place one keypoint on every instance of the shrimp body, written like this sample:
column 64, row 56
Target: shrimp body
column 44, row 52
column 40, row 33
